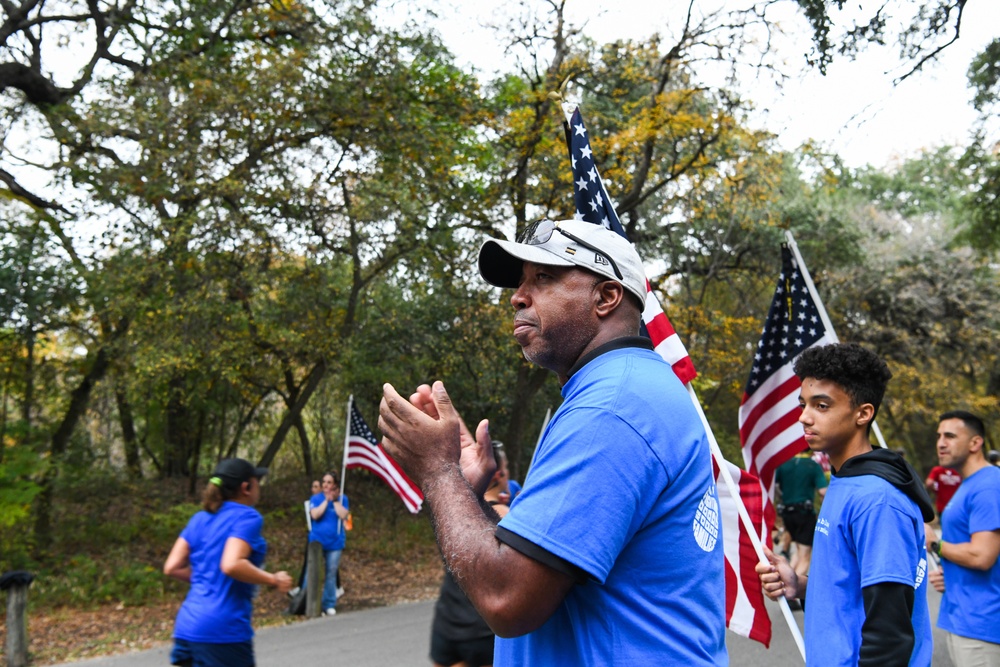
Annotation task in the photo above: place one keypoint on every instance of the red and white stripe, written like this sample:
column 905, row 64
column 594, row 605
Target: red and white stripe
column 665, row 340
column 746, row 614
column 769, row 424
column 364, row 454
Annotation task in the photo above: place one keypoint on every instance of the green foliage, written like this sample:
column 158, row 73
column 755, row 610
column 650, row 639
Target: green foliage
column 984, row 77
column 980, row 225
column 85, row 582
column 18, row 468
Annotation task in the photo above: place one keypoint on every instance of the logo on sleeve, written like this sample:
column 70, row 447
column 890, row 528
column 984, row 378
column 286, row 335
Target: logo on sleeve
column 921, row 572
column 706, row 521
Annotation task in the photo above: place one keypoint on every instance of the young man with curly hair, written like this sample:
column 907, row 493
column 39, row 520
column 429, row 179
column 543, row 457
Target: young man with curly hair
column 867, row 593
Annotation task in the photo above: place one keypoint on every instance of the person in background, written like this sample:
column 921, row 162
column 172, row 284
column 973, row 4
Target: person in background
column 459, row 635
column 969, row 548
column 221, row 554
column 315, row 488
column 867, row 594
column 329, row 509
column 943, row 482
column 799, row 480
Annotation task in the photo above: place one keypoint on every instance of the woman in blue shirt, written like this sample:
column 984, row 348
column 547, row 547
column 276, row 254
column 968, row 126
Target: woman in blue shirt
column 221, row 554
column 328, row 510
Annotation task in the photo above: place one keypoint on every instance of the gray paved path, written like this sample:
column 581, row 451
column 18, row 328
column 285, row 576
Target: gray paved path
column 398, row 637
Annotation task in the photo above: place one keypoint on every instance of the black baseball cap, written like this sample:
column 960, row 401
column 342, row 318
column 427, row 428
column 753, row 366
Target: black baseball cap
column 233, row 472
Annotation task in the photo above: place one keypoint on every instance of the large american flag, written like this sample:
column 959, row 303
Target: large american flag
column 364, row 452
column 769, row 412
column 594, row 205
column 745, row 611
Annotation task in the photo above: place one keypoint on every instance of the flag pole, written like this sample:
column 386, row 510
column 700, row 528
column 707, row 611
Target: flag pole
column 343, row 468
column 545, row 423
column 347, row 440
column 822, row 312
column 753, row 530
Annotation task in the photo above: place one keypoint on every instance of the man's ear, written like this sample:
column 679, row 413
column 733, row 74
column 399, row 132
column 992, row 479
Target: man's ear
column 609, row 296
column 976, row 443
column 866, row 413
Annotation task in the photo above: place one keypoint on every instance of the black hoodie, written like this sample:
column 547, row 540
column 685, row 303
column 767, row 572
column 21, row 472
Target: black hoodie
column 894, row 469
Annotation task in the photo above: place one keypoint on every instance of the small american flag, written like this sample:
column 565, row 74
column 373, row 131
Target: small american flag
column 364, row 452
column 594, row 205
column 769, row 412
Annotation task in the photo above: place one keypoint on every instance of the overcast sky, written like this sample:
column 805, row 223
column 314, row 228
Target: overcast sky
column 854, row 110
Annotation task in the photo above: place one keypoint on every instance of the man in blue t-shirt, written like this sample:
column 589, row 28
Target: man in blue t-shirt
column 867, row 602
column 969, row 545
column 631, row 570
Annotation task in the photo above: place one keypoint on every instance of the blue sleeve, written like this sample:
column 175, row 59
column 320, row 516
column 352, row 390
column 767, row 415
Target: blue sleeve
column 886, row 545
column 344, row 501
column 192, row 529
column 587, row 490
column 248, row 528
column 984, row 513
column 317, row 500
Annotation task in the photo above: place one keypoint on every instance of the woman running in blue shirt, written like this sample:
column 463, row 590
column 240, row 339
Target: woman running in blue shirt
column 221, row 554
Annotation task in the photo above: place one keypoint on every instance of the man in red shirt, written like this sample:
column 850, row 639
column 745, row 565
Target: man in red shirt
column 943, row 482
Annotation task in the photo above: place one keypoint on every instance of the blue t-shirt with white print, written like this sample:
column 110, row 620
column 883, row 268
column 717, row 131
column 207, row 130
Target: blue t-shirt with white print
column 621, row 486
column 868, row 532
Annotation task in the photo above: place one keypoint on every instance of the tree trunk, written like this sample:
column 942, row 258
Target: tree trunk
column 530, row 379
column 300, row 427
column 129, row 440
column 181, row 431
column 312, row 382
column 60, row 441
column 196, row 453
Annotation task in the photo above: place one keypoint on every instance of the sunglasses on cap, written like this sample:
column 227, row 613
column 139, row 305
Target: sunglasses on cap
column 540, row 232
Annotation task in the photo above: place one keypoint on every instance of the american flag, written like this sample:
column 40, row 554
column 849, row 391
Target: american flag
column 746, row 614
column 364, row 452
column 594, row 205
column 745, row 610
column 769, row 412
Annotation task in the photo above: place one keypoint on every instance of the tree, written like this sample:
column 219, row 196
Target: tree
column 926, row 29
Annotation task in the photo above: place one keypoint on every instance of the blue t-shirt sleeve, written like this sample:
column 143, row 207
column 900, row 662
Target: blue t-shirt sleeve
column 191, row 530
column 984, row 514
column 886, row 545
column 248, row 528
column 587, row 490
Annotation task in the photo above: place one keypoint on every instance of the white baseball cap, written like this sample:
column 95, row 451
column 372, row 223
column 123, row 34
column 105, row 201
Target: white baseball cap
column 565, row 243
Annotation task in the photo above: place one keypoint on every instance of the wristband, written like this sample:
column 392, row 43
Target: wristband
column 936, row 548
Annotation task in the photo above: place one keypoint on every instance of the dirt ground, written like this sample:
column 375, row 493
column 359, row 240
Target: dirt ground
column 64, row 635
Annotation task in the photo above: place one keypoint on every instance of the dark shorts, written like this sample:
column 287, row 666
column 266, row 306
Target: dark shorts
column 200, row 654
column 800, row 524
column 473, row 652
